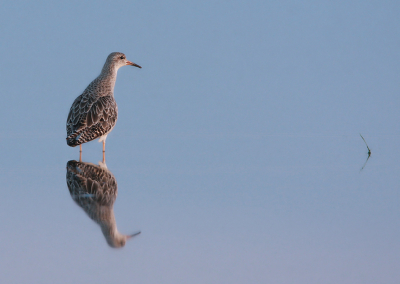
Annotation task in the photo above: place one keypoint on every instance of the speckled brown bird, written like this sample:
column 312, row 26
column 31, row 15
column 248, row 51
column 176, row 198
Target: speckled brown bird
column 94, row 113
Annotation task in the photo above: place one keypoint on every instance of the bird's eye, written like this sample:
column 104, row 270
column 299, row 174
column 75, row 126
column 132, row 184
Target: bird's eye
column 122, row 57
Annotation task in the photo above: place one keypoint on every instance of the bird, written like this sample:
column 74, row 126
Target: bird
column 94, row 113
column 94, row 189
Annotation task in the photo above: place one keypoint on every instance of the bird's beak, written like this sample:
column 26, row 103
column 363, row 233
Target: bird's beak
column 131, row 236
column 133, row 64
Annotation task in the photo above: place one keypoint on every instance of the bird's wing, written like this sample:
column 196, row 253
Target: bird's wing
column 87, row 111
column 102, row 110
column 76, row 120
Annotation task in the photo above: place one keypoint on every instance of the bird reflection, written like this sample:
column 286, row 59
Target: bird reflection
column 94, row 189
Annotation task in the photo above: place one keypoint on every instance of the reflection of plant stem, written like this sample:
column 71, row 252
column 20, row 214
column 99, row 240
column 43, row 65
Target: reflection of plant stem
column 369, row 153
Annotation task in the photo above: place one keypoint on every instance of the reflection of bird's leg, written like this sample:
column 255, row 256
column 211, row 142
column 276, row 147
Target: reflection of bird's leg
column 80, row 153
column 104, row 151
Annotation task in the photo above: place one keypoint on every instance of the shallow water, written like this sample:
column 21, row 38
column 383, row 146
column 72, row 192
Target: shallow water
column 228, row 207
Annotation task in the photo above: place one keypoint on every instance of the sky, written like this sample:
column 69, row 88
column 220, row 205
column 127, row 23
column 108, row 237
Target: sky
column 237, row 149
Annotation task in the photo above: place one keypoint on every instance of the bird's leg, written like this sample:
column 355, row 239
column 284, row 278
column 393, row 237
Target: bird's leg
column 80, row 153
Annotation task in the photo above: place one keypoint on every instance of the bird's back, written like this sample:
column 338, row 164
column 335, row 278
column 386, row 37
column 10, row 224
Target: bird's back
column 93, row 114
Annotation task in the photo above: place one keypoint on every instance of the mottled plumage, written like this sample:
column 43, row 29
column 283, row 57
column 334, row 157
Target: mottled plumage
column 94, row 113
column 94, row 189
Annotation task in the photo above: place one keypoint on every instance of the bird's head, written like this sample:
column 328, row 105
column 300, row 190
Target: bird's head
column 118, row 240
column 118, row 59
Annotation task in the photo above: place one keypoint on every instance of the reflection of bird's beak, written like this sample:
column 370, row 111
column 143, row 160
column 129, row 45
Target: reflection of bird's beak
column 133, row 64
column 133, row 235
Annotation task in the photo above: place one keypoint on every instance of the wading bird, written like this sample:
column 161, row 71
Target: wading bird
column 94, row 113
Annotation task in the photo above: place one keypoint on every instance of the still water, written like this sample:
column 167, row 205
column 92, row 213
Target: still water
column 237, row 154
column 211, row 208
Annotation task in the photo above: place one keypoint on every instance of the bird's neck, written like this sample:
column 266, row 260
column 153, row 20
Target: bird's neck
column 108, row 76
column 109, row 69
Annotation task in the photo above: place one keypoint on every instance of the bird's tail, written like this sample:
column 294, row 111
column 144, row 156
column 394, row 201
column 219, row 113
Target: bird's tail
column 73, row 142
column 73, row 139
